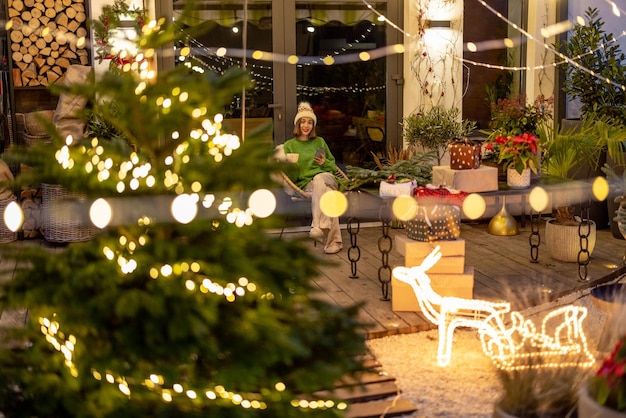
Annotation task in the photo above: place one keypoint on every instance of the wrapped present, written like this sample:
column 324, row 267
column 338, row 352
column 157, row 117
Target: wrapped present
column 464, row 154
column 432, row 194
column 435, row 222
column 397, row 188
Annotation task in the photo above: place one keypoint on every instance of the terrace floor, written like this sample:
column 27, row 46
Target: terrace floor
column 502, row 271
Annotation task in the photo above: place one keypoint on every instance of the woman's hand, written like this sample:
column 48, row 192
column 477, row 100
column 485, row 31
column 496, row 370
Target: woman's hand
column 320, row 160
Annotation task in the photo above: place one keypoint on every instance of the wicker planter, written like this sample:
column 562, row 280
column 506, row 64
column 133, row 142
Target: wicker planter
column 563, row 241
column 64, row 215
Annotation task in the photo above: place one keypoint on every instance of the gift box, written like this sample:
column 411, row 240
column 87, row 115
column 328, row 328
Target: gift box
column 435, row 222
column 403, row 298
column 439, row 194
column 481, row 179
column 464, row 154
column 397, row 188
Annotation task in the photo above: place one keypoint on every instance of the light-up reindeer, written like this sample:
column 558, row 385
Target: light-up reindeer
column 502, row 342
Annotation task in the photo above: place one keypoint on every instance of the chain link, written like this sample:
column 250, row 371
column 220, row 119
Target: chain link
column 354, row 252
column 385, row 245
column 584, row 230
column 534, row 239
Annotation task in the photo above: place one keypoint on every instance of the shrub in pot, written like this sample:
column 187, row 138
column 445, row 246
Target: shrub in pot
column 539, row 392
column 435, row 128
column 563, row 236
column 606, row 63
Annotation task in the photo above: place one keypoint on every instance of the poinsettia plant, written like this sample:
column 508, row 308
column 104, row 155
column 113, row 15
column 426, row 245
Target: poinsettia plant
column 519, row 151
column 608, row 386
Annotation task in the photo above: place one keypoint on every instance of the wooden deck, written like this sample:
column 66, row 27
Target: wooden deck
column 502, row 271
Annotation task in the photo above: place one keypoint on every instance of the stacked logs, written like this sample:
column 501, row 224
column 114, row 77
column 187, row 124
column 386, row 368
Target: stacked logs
column 47, row 36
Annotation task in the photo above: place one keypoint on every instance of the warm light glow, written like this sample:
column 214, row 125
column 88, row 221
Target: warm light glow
column 538, row 199
column 404, row 208
column 184, row 208
column 100, row 213
column 600, row 188
column 504, row 335
column 474, row 206
column 13, row 216
column 557, row 28
column 262, row 203
column 333, row 203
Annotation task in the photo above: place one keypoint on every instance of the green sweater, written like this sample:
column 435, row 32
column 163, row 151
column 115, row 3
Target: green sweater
column 306, row 168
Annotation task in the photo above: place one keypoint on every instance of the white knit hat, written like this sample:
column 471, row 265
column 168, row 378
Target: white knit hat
column 305, row 111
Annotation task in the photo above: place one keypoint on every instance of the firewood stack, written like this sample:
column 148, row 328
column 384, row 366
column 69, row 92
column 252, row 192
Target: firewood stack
column 31, row 205
column 47, row 36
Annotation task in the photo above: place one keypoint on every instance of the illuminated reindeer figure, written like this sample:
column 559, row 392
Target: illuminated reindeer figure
column 501, row 342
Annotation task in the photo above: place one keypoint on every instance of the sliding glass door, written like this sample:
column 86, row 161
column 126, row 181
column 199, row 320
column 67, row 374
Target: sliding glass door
column 329, row 53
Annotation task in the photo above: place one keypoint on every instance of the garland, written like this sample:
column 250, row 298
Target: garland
column 106, row 25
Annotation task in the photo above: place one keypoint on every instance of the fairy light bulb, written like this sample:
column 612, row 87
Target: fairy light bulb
column 184, row 208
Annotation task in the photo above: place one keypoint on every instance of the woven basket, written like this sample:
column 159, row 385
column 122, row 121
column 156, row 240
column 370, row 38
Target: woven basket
column 563, row 241
column 33, row 122
column 34, row 139
column 64, row 215
column 6, row 235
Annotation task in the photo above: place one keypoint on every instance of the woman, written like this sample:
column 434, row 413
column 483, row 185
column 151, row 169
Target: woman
column 315, row 174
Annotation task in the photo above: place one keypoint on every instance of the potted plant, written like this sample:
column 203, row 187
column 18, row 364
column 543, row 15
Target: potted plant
column 519, row 155
column 563, row 236
column 435, row 128
column 509, row 119
column 571, row 154
column 602, row 59
column 605, row 394
column 534, row 391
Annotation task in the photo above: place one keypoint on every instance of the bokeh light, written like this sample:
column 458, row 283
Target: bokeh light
column 184, row 208
column 262, row 203
column 600, row 188
column 333, row 203
column 474, row 206
column 13, row 216
column 538, row 199
column 404, row 208
column 100, row 213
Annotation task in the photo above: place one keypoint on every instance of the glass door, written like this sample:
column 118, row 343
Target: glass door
column 338, row 77
column 319, row 54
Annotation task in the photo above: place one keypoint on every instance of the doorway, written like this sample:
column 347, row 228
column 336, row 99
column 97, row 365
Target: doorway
column 358, row 101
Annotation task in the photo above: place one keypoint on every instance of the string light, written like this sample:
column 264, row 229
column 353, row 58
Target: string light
column 507, row 346
column 551, row 49
column 155, row 382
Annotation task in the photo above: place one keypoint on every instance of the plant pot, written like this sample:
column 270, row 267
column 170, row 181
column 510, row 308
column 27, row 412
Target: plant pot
column 516, row 180
column 563, row 241
column 612, row 208
column 589, row 408
column 499, row 413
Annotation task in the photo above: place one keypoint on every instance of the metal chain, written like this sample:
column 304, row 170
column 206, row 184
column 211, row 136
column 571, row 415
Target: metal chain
column 354, row 252
column 584, row 230
column 534, row 239
column 385, row 245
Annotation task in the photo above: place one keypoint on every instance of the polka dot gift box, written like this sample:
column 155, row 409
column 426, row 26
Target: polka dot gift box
column 464, row 154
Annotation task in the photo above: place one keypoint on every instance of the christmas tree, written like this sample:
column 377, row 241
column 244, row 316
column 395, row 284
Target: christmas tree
column 200, row 313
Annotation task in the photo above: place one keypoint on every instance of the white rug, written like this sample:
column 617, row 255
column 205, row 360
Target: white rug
column 468, row 387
